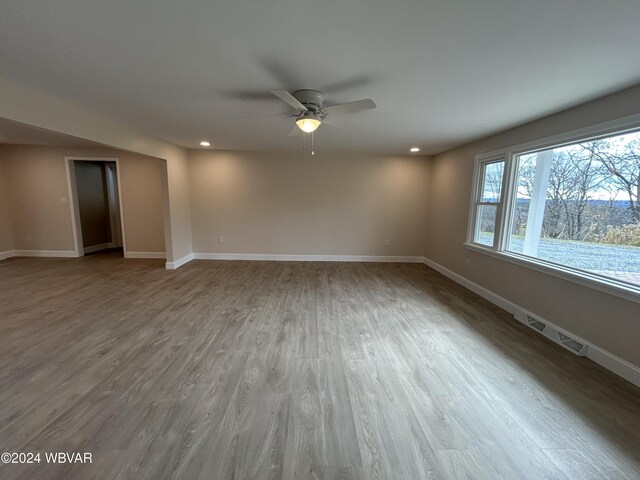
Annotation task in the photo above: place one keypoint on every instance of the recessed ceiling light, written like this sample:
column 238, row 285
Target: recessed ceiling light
column 204, row 143
column 414, row 149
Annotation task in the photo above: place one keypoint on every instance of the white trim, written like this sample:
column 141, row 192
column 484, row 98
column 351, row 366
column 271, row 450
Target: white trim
column 72, row 254
column 508, row 200
column 145, row 255
column 603, row 129
column 45, row 253
column 121, row 205
column 305, row 258
column 596, row 354
column 614, row 364
column 73, row 208
column 586, row 279
column 178, row 263
column 115, row 222
column 95, row 248
column 474, row 287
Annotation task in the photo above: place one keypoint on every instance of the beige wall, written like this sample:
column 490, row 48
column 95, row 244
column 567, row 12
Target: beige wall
column 141, row 180
column 31, row 107
column 606, row 321
column 6, row 234
column 290, row 203
column 36, row 182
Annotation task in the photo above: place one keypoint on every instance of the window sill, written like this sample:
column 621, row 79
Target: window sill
column 586, row 279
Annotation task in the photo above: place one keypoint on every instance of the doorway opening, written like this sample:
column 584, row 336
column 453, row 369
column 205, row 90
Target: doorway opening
column 96, row 205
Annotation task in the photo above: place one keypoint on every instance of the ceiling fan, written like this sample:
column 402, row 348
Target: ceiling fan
column 309, row 109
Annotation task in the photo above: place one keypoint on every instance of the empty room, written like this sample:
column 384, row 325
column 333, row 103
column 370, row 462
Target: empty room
column 320, row 240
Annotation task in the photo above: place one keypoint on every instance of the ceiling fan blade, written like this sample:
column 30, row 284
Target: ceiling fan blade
column 281, row 73
column 268, row 115
column 350, row 107
column 295, row 132
column 248, row 95
column 289, row 99
column 358, row 81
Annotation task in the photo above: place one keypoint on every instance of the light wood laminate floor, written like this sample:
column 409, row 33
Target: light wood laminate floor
column 234, row 370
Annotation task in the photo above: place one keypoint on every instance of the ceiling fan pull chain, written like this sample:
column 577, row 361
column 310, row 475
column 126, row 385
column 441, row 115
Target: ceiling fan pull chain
column 312, row 150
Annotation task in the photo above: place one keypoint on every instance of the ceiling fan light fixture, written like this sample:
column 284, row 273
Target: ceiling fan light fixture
column 308, row 123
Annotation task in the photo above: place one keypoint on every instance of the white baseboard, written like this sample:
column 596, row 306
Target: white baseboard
column 306, row 258
column 474, row 287
column 45, row 253
column 617, row 365
column 145, row 255
column 7, row 254
column 598, row 355
column 95, row 248
column 178, row 263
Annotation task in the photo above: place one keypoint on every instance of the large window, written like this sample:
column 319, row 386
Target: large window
column 573, row 207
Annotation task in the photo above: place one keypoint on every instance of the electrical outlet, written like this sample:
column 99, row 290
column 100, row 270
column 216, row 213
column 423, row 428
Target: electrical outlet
column 387, row 242
column 220, row 239
column 29, row 238
column 467, row 262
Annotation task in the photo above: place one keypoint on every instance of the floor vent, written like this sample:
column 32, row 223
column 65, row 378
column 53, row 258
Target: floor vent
column 552, row 333
column 570, row 343
column 537, row 324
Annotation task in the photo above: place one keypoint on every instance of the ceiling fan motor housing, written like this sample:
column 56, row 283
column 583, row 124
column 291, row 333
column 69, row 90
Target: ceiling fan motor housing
column 312, row 99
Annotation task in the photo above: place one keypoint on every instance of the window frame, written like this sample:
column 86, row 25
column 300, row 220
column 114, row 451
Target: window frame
column 480, row 167
column 505, row 205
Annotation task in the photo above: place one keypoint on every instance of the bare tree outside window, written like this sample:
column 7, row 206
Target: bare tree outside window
column 591, row 214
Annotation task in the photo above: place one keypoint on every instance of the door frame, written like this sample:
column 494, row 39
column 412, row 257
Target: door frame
column 74, row 208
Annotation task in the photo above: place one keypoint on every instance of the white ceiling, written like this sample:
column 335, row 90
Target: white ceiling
column 442, row 72
column 20, row 134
